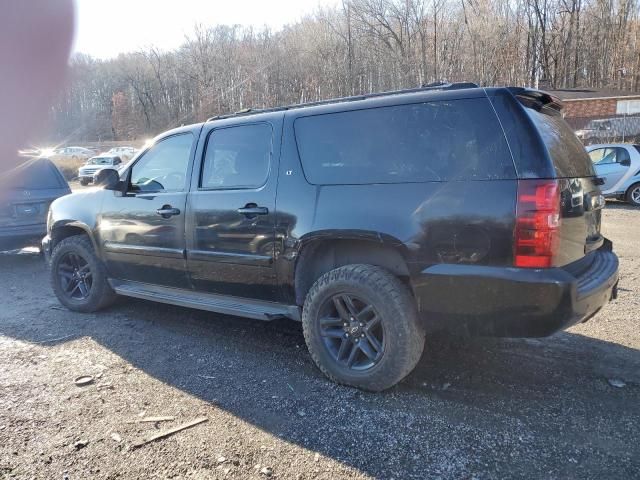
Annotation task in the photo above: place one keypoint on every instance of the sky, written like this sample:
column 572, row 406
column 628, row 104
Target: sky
column 105, row 28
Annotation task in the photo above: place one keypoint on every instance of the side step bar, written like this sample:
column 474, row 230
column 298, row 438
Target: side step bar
column 227, row 305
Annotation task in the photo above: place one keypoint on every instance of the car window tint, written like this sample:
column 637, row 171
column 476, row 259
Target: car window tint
column 435, row 141
column 237, row 157
column 567, row 152
column 164, row 166
column 622, row 154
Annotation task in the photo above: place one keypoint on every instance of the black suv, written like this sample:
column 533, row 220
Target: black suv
column 374, row 220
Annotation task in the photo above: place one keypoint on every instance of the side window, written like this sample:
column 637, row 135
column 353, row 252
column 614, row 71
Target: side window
column 622, row 155
column 596, row 155
column 604, row 156
column 237, row 157
column 163, row 168
column 434, row 141
column 609, row 156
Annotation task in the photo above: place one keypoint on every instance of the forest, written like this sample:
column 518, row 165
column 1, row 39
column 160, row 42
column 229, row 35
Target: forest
column 359, row 46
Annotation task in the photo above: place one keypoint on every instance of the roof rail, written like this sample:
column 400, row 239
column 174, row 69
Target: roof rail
column 427, row 87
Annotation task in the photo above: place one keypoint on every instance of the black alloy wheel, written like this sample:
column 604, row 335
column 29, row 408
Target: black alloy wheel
column 75, row 276
column 352, row 332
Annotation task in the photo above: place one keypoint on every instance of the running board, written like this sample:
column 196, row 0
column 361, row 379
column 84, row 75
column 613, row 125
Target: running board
column 228, row 305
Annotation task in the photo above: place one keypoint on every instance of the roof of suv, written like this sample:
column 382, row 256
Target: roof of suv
column 449, row 91
column 437, row 92
column 372, row 98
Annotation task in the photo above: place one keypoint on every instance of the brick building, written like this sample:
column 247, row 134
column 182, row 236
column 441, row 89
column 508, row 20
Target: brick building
column 602, row 115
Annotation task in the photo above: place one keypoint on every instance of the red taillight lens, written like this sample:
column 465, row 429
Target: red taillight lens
column 537, row 223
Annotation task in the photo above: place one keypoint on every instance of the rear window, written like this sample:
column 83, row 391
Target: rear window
column 38, row 174
column 569, row 157
column 435, row 141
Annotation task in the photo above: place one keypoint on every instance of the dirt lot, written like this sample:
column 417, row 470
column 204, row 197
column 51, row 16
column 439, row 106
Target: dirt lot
column 479, row 409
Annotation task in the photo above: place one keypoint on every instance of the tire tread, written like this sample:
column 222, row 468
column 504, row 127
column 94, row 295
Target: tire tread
column 408, row 324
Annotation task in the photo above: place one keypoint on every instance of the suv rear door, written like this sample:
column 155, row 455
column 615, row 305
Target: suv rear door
column 231, row 218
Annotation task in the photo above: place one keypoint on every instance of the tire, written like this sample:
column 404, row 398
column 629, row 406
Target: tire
column 84, row 182
column 633, row 192
column 73, row 254
column 381, row 319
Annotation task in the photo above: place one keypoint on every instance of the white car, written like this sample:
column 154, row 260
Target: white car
column 618, row 164
column 75, row 153
column 95, row 164
column 125, row 153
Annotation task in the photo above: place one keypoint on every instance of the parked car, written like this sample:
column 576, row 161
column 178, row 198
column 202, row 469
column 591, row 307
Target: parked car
column 125, row 153
column 74, row 153
column 94, row 165
column 375, row 220
column 618, row 165
column 25, row 195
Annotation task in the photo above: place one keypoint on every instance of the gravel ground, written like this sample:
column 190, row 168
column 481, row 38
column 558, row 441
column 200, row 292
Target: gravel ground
column 480, row 408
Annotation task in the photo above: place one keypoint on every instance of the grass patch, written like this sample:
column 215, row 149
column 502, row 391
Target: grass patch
column 69, row 167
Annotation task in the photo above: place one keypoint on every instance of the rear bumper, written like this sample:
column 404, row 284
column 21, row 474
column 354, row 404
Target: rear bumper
column 21, row 236
column 516, row 302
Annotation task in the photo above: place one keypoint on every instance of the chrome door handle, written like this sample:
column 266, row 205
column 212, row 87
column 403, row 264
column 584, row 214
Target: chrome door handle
column 253, row 210
column 167, row 211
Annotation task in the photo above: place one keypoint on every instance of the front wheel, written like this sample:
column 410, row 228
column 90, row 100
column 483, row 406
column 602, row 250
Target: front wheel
column 78, row 277
column 361, row 326
column 633, row 195
column 84, row 182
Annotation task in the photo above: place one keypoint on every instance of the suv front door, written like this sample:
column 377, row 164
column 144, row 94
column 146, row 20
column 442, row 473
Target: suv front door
column 142, row 231
column 231, row 217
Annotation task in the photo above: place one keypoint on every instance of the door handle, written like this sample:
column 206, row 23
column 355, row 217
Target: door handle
column 167, row 211
column 251, row 210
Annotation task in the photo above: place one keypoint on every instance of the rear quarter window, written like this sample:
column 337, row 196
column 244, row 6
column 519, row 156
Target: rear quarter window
column 433, row 141
column 569, row 157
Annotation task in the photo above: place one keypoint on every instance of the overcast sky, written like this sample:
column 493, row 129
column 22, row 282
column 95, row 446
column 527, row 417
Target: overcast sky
column 105, row 28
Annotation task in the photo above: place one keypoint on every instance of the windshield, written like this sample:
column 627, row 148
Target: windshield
column 100, row 161
column 37, row 174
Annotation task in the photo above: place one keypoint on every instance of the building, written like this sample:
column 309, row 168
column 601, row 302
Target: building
column 602, row 115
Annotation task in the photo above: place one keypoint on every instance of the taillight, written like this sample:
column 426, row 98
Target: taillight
column 537, row 223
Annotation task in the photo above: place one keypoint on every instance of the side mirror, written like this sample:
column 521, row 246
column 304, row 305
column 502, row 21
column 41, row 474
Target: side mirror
column 108, row 178
column 626, row 162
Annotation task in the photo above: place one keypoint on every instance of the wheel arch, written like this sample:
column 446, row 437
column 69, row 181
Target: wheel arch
column 631, row 186
column 65, row 229
column 325, row 251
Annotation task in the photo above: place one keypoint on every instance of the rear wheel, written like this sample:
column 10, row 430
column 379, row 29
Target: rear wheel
column 84, row 182
column 633, row 195
column 78, row 277
column 361, row 327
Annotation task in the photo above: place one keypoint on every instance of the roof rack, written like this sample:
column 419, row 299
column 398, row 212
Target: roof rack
column 427, row 87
